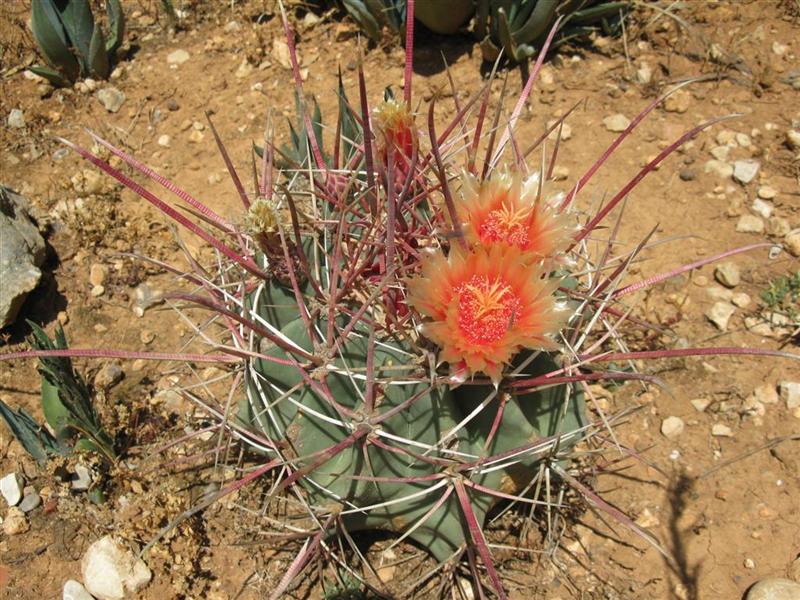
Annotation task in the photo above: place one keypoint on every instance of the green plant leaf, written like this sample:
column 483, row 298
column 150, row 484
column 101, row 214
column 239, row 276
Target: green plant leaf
column 55, row 413
column 52, row 40
column 76, row 15
column 361, row 15
column 37, row 441
column 116, row 26
column 98, row 55
column 54, row 77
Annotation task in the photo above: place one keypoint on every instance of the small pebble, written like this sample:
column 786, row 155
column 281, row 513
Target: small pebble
column 112, row 571
column 616, row 123
column 196, row 136
column 749, row 563
column 766, row 192
column 678, row 102
column 172, row 105
column 97, row 274
column 761, row 208
column 15, row 522
column 11, row 488
column 792, row 242
column 109, row 376
column 16, row 119
column 30, row 501
column 147, row 336
column 98, row 291
column 720, row 430
column 74, row 590
column 744, row 171
column 766, row 394
column 750, row 224
column 177, row 57
column 719, row 314
column 728, row 274
column 81, row 480
column 111, row 98
column 790, row 393
column 719, row 168
column 164, row 140
column 793, row 139
column 687, row 175
column 741, row 300
column 700, row 404
column 672, row 427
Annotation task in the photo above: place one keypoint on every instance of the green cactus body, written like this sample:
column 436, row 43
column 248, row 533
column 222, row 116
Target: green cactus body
column 359, row 480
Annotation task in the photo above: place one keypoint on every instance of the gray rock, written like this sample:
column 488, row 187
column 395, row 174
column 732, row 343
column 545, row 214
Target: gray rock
column 687, row 175
column 16, row 119
column 727, row 273
column 790, row 393
column 774, row 589
column 720, row 314
column 22, row 251
column 74, row 590
column 616, row 123
column 30, row 501
column 177, row 57
column 110, row 571
column 82, row 478
column 109, row 376
column 111, row 98
column 744, row 171
column 11, row 488
column 719, row 168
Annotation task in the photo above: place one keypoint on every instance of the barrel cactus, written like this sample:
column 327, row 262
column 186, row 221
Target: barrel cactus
column 413, row 339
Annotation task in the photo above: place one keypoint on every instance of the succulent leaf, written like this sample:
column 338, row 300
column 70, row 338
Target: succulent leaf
column 98, row 55
column 50, row 36
column 116, row 26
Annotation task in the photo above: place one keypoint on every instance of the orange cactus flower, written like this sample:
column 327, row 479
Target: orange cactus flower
column 505, row 210
column 485, row 305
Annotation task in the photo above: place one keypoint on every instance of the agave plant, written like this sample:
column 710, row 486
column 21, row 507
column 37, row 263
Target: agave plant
column 519, row 27
column 73, row 44
column 411, row 345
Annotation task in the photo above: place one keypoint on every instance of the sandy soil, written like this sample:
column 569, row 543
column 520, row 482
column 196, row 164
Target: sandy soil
column 724, row 506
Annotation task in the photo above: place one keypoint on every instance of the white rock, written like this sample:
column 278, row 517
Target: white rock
column 719, row 168
column 16, row 119
column 744, row 171
column 74, row 590
column 110, row 570
column 779, row 49
column 617, row 122
column 750, row 224
column 177, row 57
column 81, row 479
column 793, row 139
column 774, row 589
column 720, row 314
column 727, row 273
column 766, row 394
column 672, row 427
column 792, row 242
column 11, row 488
column 766, row 192
column 164, row 140
column 111, row 98
column 743, row 140
column 700, row 404
column 726, row 136
column 721, row 152
column 762, row 209
column 790, row 393
column 741, row 300
column 720, row 430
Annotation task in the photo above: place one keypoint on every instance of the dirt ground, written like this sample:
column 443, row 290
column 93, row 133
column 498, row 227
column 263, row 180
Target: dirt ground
column 725, row 506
